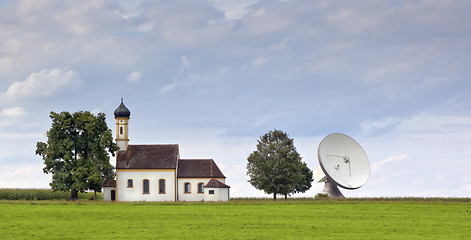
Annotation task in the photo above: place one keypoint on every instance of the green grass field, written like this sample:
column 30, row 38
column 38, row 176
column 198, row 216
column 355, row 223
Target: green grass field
column 238, row 219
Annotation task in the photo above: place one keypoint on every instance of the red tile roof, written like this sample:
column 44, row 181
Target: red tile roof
column 148, row 157
column 110, row 183
column 214, row 183
column 198, row 168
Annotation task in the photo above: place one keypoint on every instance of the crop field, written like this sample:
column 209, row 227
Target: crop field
column 40, row 194
column 238, row 219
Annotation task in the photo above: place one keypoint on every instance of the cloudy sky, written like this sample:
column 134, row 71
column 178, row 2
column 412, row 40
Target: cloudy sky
column 215, row 75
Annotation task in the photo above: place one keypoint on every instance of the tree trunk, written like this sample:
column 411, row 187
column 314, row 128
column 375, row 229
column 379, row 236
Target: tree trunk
column 95, row 195
column 73, row 195
column 286, row 197
column 274, row 196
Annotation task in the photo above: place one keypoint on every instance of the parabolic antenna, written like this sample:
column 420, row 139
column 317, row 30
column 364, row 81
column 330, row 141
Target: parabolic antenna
column 343, row 162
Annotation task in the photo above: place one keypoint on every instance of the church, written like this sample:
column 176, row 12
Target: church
column 155, row 172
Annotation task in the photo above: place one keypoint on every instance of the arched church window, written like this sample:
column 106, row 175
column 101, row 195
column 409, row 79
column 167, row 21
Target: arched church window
column 161, row 186
column 200, row 187
column 130, row 183
column 120, row 130
column 187, row 187
column 145, row 186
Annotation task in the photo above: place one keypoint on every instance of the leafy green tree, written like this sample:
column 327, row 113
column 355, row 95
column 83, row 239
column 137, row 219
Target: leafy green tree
column 77, row 152
column 276, row 167
column 305, row 182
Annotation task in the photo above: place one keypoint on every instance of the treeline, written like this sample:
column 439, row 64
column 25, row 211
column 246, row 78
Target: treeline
column 40, row 194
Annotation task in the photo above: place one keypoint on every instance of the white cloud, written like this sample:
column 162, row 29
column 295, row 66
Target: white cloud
column 6, row 122
column 185, row 63
column 195, row 80
column 428, row 126
column 7, row 64
column 24, row 176
column 134, row 77
column 44, row 84
column 129, row 9
column 259, row 61
column 9, row 46
column 421, row 125
column 234, row 9
column 265, row 20
column 146, row 27
column 368, row 126
column 13, row 112
column 419, row 156
column 381, row 165
column 19, row 136
column 168, row 87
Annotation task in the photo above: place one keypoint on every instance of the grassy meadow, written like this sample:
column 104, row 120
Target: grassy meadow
column 239, row 219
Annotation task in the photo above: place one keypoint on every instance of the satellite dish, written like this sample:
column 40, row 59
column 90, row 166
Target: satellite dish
column 343, row 162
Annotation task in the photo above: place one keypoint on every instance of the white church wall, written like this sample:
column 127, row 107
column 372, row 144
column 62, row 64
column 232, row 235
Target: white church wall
column 223, row 194
column 211, row 197
column 136, row 192
column 193, row 195
column 107, row 193
column 218, row 194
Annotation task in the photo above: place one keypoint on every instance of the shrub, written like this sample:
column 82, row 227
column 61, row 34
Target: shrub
column 322, row 195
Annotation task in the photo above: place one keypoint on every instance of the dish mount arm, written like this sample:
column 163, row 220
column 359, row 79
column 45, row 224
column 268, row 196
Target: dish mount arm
column 346, row 159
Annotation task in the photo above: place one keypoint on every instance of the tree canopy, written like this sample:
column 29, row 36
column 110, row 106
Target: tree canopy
column 276, row 167
column 77, row 152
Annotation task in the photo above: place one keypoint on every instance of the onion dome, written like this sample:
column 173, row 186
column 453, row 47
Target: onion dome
column 122, row 111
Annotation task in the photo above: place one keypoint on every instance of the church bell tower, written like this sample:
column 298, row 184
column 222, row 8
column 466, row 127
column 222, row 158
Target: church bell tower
column 121, row 114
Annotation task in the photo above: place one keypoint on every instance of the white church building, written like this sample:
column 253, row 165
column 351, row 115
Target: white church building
column 156, row 172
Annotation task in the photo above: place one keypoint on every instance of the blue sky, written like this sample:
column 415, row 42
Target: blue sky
column 215, row 75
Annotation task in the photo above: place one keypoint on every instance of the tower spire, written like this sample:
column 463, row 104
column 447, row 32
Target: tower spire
column 121, row 114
